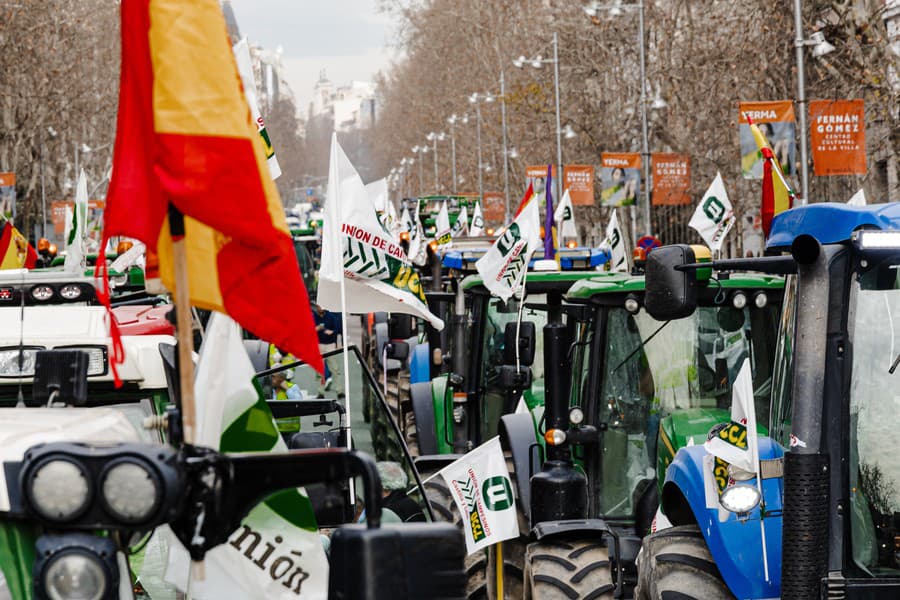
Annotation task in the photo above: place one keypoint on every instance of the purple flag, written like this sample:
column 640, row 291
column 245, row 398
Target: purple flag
column 549, row 234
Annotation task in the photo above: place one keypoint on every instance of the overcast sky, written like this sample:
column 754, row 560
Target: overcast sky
column 347, row 38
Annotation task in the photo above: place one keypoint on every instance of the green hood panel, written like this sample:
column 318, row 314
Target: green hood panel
column 621, row 282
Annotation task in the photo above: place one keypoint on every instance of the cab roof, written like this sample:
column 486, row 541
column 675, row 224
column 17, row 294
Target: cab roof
column 830, row 222
column 611, row 283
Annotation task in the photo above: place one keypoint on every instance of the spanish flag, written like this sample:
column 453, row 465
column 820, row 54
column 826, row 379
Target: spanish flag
column 15, row 251
column 185, row 139
column 777, row 195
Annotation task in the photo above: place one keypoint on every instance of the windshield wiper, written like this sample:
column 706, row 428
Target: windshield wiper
column 643, row 343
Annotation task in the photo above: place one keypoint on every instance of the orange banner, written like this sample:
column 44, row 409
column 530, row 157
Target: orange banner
column 837, row 131
column 7, row 179
column 671, row 178
column 620, row 160
column 579, row 180
column 493, row 207
column 535, row 171
column 620, row 178
column 8, row 195
column 58, row 212
column 775, row 111
column 776, row 121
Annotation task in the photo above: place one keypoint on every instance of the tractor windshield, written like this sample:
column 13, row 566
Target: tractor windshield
column 654, row 368
column 874, row 409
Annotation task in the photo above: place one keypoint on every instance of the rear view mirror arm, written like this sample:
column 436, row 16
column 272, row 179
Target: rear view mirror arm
column 774, row 265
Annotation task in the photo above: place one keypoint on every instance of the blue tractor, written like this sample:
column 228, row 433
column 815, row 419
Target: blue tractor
column 827, row 521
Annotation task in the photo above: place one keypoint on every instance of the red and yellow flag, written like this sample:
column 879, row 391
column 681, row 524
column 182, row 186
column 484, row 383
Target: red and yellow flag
column 185, row 138
column 15, row 251
column 777, row 195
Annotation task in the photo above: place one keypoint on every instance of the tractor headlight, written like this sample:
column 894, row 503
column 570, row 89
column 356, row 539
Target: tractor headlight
column 130, row 491
column 42, row 292
column 70, row 291
column 59, row 490
column 98, row 363
column 75, row 566
column 760, row 299
column 555, row 437
column 632, row 305
column 75, row 575
column 739, row 300
column 14, row 365
column 740, row 498
column 576, row 415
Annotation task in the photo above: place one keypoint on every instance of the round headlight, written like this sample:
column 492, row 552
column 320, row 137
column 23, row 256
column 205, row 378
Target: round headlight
column 576, row 415
column 42, row 293
column 632, row 305
column 75, row 576
column 130, row 491
column 59, row 490
column 70, row 291
column 555, row 437
column 740, row 498
column 739, row 300
column 760, row 299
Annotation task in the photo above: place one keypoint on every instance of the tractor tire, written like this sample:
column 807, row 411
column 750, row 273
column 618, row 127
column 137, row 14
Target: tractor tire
column 568, row 570
column 676, row 563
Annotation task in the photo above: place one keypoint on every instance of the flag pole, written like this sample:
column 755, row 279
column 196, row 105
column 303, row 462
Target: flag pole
column 183, row 330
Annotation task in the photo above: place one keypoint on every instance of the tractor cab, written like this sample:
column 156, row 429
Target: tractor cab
column 817, row 516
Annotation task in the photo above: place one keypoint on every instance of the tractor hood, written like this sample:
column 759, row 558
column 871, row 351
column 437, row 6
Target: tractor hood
column 73, row 326
column 22, row 428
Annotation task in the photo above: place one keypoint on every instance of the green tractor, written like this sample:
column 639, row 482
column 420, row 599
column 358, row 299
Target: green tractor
column 622, row 392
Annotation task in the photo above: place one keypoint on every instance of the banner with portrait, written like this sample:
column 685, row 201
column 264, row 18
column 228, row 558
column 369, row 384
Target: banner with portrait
column 776, row 120
column 671, row 178
column 837, row 133
column 8, row 195
column 620, row 178
column 494, row 208
column 536, row 177
column 579, row 181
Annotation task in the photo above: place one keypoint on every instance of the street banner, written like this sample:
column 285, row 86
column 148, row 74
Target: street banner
column 565, row 218
column 76, row 225
column 477, row 227
column 482, row 489
column 495, row 207
column 858, row 199
column 615, row 243
column 227, row 401
column 837, row 135
column 714, row 216
column 378, row 194
column 245, row 69
column 620, row 178
column 7, row 195
column 356, row 247
column 443, row 232
column 578, row 182
column 536, row 177
column 776, row 121
column 752, row 237
column 671, row 179
column 461, row 225
column 503, row 266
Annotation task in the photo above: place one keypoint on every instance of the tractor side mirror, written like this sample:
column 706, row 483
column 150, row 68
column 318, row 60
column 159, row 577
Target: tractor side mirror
column 397, row 350
column 525, row 341
column 671, row 292
column 412, row 560
column 401, row 327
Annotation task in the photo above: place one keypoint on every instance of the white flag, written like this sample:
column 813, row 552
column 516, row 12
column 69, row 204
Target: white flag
column 504, row 265
column 481, row 487
column 477, row 227
column 378, row 194
column 461, row 227
column 376, row 271
column 565, row 218
column 225, row 392
column 391, row 222
column 615, row 243
column 418, row 246
column 76, row 225
column 245, row 69
column 443, row 233
column 858, row 199
column 714, row 216
column 737, row 443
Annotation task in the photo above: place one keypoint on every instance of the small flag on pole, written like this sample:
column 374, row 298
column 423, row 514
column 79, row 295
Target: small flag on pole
column 714, row 216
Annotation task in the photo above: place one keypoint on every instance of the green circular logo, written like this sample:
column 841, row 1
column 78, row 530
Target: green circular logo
column 497, row 493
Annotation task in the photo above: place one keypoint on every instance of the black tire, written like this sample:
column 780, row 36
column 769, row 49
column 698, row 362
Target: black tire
column 675, row 564
column 568, row 570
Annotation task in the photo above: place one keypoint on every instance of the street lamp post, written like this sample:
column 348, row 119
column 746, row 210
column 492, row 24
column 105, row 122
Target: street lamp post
column 505, row 150
column 476, row 99
column 435, row 137
column 537, row 62
column 451, row 120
